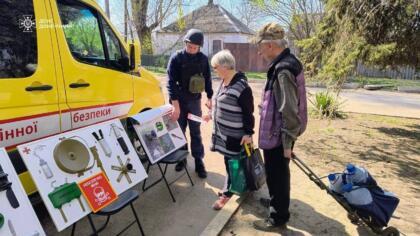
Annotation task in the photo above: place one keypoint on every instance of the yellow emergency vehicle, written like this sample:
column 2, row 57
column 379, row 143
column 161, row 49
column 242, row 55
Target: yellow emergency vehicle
column 64, row 66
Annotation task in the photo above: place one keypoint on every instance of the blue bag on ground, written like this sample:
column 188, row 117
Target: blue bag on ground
column 372, row 203
column 237, row 176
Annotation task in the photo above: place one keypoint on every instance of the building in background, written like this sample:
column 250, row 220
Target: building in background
column 219, row 27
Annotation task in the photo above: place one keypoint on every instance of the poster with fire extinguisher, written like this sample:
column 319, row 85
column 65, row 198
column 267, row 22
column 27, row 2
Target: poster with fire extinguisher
column 158, row 133
column 15, row 208
column 59, row 163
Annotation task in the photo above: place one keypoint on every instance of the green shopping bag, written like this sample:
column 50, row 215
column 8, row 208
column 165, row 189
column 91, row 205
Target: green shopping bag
column 237, row 175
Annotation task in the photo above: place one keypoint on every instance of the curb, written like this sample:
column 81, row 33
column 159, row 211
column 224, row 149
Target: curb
column 216, row 226
column 377, row 86
column 407, row 89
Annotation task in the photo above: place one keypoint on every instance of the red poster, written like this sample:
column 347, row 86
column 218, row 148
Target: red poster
column 98, row 191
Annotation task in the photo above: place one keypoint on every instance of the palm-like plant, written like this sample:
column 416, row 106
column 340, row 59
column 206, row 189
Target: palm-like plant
column 326, row 105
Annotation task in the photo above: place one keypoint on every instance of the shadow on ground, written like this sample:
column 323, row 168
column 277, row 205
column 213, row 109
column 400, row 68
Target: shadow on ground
column 368, row 143
column 304, row 219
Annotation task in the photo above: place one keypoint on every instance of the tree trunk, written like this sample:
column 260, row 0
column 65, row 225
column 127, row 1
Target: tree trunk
column 139, row 9
column 145, row 37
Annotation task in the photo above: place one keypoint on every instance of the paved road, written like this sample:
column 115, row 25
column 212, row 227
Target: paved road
column 370, row 102
column 380, row 102
column 360, row 100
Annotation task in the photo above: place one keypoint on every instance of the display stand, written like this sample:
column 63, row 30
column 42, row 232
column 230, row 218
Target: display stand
column 174, row 158
column 162, row 141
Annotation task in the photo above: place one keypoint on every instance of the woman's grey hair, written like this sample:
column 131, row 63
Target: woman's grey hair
column 224, row 58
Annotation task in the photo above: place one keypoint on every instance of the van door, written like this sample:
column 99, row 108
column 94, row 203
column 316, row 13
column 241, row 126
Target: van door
column 28, row 87
column 95, row 64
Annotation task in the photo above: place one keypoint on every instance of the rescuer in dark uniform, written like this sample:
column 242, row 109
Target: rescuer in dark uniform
column 189, row 75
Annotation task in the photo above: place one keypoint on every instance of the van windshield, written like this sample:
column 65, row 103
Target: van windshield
column 18, row 49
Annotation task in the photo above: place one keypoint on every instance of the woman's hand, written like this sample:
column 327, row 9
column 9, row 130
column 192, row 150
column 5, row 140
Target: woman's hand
column 206, row 118
column 209, row 104
column 246, row 139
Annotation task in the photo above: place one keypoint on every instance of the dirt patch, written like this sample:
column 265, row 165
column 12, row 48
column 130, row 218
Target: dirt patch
column 388, row 147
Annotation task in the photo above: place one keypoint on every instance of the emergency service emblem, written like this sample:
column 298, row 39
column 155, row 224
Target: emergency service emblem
column 27, row 23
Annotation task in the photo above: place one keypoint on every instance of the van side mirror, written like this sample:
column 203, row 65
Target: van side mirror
column 132, row 57
column 135, row 54
column 125, row 63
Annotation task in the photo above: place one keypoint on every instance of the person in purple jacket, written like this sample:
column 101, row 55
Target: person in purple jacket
column 283, row 119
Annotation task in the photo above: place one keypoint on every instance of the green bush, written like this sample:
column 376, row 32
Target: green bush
column 161, row 61
column 326, row 105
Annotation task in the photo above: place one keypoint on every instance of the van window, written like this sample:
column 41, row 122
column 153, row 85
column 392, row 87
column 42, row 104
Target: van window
column 89, row 40
column 18, row 44
column 81, row 28
column 116, row 52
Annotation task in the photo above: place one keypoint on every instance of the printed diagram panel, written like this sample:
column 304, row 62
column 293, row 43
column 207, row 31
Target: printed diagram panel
column 15, row 208
column 158, row 134
column 59, row 163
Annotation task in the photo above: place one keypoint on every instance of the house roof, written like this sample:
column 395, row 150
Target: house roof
column 211, row 18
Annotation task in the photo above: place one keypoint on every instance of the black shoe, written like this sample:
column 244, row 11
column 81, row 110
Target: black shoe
column 267, row 225
column 200, row 168
column 181, row 165
column 265, row 202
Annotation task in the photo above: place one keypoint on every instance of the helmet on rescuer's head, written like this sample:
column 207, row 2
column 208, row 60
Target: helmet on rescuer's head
column 194, row 36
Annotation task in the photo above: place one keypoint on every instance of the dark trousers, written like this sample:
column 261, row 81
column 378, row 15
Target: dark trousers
column 193, row 107
column 278, row 183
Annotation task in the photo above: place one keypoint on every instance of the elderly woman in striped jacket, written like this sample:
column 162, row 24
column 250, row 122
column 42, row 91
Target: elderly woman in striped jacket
column 233, row 119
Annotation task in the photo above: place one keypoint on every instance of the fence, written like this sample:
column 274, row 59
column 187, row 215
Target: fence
column 246, row 55
column 154, row 60
column 408, row 73
column 247, row 58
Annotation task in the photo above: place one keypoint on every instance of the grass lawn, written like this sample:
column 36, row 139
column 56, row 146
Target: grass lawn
column 162, row 71
column 393, row 83
column 256, row 75
column 362, row 80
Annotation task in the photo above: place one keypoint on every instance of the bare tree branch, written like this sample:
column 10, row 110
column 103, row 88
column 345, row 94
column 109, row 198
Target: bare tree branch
column 299, row 16
column 148, row 15
column 249, row 14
